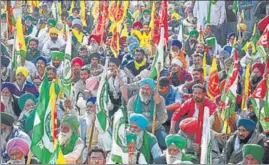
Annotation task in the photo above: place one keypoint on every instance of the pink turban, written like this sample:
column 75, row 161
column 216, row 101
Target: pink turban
column 18, row 143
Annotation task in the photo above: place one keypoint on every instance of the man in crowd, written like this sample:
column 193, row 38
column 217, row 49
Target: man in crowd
column 252, row 154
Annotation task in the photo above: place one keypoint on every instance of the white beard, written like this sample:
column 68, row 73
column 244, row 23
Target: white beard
column 4, row 135
column 81, row 103
column 5, row 100
column 170, row 159
column 22, row 161
column 89, row 118
column 132, row 158
column 64, row 137
column 144, row 99
column 93, row 48
column 139, row 139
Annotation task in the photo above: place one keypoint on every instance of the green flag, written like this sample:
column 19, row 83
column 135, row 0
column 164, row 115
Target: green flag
column 42, row 141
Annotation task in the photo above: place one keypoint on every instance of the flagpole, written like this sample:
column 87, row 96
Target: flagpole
column 155, row 107
column 13, row 58
column 92, row 132
column 7, row 24
column 29, row 157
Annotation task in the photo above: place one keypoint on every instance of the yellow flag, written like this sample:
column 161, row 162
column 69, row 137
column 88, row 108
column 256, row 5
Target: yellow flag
column 59, row 8
column 204, row 64
column 151, row 24
column 71, row 7
column 83, row 12
column 78, row 35
column 20, row 37
column 246, row 88
column 95, row 9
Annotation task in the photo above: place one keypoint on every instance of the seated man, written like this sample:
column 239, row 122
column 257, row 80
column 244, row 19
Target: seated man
column 246, row 134
column 143, row 103
column 175, row 146
column 146, row 143
column 252, row 154
column 71, row 144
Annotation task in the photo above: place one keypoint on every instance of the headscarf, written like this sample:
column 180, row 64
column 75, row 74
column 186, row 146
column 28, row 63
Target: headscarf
column 18, row 143
column 53, row 30
column 176, row 43
column 71, row 121
column 77, row 60
column 10, row 86
column 189, row 125
column 7, row 119
column 42, row 59
column 91, row 99
column 22, row 70
column 140, row 120
column 248, row 124
column 23, row 99
column 255, row 150
column 148, row 81
column 177, row 140
column 57, row 54
column 259, row 66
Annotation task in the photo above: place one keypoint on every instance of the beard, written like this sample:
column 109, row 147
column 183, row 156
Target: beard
column 93, row 48
column 64, row 137
column 54, row 39
column 144, row 98
column 170, row 159
column 256, row 80
column 132, row 158
column 174, row 54
column 89, row 118
column 21, row 161
column 4, row 135
column 5, row 100
column 139, row 139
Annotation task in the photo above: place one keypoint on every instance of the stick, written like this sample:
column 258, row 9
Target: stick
column 30, row 155
column 154, row 112
column 92, row 131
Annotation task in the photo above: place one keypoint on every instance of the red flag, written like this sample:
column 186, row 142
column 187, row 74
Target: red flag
column 264, row 39
column 213, row 89
column 10, row 18
column 164, row 20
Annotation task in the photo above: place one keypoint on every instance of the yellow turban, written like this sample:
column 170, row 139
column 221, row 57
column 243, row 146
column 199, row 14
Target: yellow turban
column 22, row 70
column 242, row 26
column 176, row 15
column 53, row 30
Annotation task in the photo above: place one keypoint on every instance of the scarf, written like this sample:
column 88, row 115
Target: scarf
column 71, row 145
column 79, row 35
column 138, row 66
column 138, row 106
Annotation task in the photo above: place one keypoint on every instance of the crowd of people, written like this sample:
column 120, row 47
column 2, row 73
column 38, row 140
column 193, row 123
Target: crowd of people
column 163, row 114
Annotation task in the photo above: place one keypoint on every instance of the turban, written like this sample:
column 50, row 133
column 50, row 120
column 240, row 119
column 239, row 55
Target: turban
column 211, row 41
column 91, row 99
column 132, row 46
column 70, row 18
column 3, row 107
column 248, row 124
column 255, row 150
column 53, row 30
column 97, row 55
column 7, row 119
column 178, row 62
column 57, row 54
column 139, row 119
column 130, row 137
column 177, row 140
column 242, row 27
column 148, row 81
column 52, row 22
column 146, row 11
column 77, row 60
column 28, row 17
column 224, row 54
column 230, row 35
column 11, row 87
column 132, row 39
column 114, row 60
column 5, row 61
column 22, row 70
column 228, row 49
column 4, row 15
column 75, row 9
column 42, row 59
column 76, row 23
column 189, row 125
column 23, row 99
column 137, row 24
column 176, row 16
column 194, row 33
column 129, row 22
column 97, row 38
column 71, row 121
column 176, row 43
column 18, row 143
column 188, row 10
column 259, row 66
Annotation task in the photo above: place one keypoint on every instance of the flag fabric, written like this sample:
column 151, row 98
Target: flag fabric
column 264, row 39
column 20, row 38
column 71, row 7
column 67, row 73
column 158, row 58
column 119, row 144
column 11, row 22
column 204, row 64
column 208, row 18
column 213, row 88
column 103, row 101
column 54, row 10
column 57, row 156
column 115, row 42
column 53, row 99
column 42, row 140
column 246, row 88
column 164, row 20
column 201, row 36
column 83, row 12
column 255, row 37
column 235, row 6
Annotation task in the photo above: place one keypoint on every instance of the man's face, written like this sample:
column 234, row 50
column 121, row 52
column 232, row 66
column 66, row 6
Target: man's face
column 112, row 67
column 83, row 53
column 28, row 22
column 231, row 39
column 146, row 28
column 51, row 75
column 32, row 46
column 173, row 150
column 198, row 95
column 16, row 154
column 131, row 147
column 91, row 108
column 96, row 158
column 175, row 68
column 146, row 90
column 200, row 48
column 242, row 133
column 197, row 76
column 29, row 105
column 146, row 16
column 163, row 90
column 207, row 29
column 250, row 160
column 40, row 66
column 197, row 61
column 76, row 67
column 193, row 39
column 75, row 13
column 84, row 75
column 53, row 36
column 255, row 75
column 94, row 61
column 174, row 51
column 5, row 92
column 65, row 134
column 139, row 56
column 249, row 49
column 56, row 62
column 20, row 78
column 134, row 128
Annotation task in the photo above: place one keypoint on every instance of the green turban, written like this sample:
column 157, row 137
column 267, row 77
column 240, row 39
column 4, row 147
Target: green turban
column 70, row 18
column 130, row 137
column 52, row 22
column 146, row 11
column 194, row 33
column 4, row 15
column 28, row 17
column 177, row 140
column 210, row 41
column 57, row 54
column 256, row 151
column 129, row 22
column 72, row 121
column 24, row 98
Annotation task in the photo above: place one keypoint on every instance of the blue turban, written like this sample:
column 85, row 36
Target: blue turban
column 139, row 119
column 132, row 39
column 247, row 124
column 91, row 99
column 177, row 43
column 230, row 35
column 132, row 46
column 42, row 59
column 228, row 49
column 149, row 81
column 11, row 87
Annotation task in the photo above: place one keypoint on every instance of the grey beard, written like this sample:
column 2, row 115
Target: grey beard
column 4, row 135
column 64, row 137
column 5, row 100
column 170, row 159
column 144, row 99
column 132, row 158
column 22, row 161
column 139, row 139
